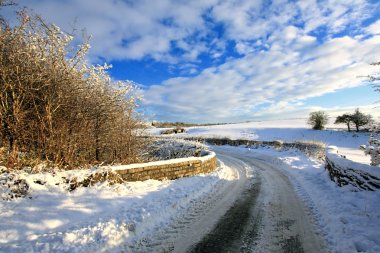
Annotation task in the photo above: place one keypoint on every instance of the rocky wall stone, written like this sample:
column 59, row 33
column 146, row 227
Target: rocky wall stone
column 165, row 170
column 343, row 175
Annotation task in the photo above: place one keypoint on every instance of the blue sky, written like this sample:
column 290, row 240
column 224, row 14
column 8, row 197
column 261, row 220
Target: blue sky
column 237, row 60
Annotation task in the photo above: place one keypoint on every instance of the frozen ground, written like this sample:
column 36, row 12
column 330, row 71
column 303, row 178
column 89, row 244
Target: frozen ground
column 287, row 130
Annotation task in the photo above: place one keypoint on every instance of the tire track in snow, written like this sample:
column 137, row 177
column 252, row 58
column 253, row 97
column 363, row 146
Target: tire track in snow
column 202, row 216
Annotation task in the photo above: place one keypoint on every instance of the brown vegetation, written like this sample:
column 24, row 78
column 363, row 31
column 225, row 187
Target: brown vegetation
column 176, row 130
column 55, row 107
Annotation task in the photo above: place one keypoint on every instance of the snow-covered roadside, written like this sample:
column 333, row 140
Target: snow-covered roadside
column 100, row 218
column 349, row 220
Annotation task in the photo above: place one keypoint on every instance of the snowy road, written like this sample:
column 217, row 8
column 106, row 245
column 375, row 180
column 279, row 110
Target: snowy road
column 278, row 220
column 258, row 211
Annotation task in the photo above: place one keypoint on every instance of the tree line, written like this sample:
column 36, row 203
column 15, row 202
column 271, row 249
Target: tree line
column 56, row 107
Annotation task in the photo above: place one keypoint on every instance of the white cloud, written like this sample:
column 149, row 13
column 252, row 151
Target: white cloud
column 281, row 77
column 334, row 15
column 289, row 50
column 374, row 28
column 129, row 29
column 137, row 29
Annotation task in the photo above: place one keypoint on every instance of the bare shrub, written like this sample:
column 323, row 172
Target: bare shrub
column 58, row 108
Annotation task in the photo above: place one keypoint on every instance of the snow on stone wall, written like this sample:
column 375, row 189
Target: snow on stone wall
column 346, row 172
column 169, row 169
column 160, row 170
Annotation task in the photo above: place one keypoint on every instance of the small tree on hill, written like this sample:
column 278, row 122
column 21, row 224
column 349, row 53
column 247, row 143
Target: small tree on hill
column 318, row 120
column 344, row 119
column 360, row 119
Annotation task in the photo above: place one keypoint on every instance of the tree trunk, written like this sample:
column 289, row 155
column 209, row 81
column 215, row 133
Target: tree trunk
column 348, row 126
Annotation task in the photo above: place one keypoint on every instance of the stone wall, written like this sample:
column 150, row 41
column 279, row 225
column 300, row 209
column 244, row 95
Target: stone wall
column 171, row 169
column 345, row 172
column 167, row 169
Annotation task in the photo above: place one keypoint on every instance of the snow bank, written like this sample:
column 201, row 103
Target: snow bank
column 102, row 218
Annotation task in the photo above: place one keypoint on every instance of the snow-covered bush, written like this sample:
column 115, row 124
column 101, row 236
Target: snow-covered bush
column 170, row 148
column 373, row 147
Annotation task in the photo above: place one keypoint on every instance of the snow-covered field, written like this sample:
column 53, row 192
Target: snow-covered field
column 122, row 217
column 286, row 130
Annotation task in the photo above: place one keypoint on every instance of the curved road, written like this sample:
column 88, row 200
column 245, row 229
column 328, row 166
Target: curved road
column 258, row 211
column 277, row 220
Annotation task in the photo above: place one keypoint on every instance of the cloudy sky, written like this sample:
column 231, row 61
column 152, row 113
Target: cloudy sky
column 229, row 61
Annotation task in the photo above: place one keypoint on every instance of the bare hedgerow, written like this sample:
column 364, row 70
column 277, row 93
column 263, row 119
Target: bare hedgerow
column 58, row 108
column 172, row 148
